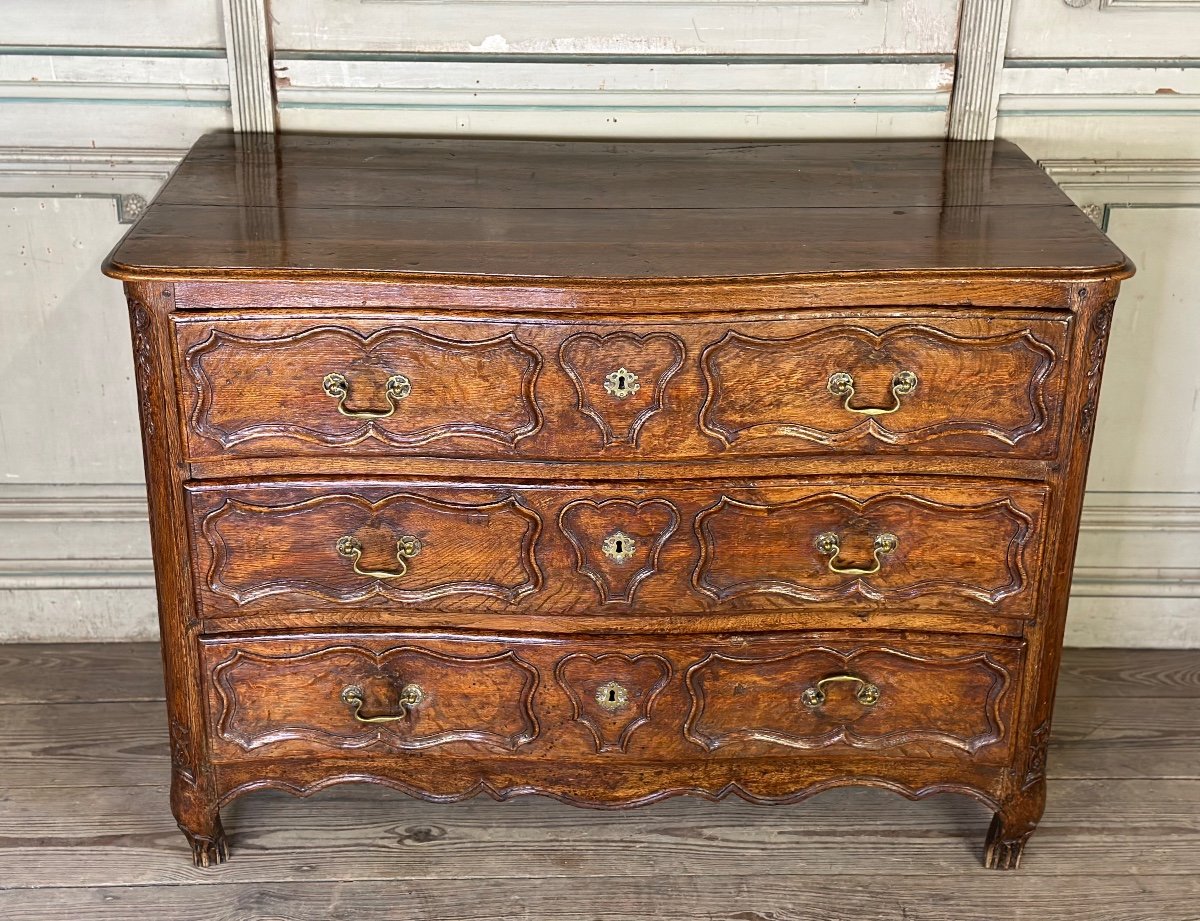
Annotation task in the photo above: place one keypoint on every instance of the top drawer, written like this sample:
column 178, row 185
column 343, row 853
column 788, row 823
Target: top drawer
column 833, row 383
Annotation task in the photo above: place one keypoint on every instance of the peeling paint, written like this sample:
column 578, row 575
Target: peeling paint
column 945, row 82
column 592, row 44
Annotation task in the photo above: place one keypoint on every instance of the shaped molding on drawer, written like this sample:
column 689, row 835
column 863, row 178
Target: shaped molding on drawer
column 909, row 385
column 871, row 697
column 892, row 547
column 338, row 695
column 279, row 385
column 341, row 548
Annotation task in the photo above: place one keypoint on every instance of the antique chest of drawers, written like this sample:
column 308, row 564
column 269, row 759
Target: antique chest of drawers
column 614, row 471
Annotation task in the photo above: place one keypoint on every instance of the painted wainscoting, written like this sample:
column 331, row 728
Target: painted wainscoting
column 96, row 110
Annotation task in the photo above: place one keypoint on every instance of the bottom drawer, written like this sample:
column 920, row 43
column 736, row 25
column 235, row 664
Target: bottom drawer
column 669, row 698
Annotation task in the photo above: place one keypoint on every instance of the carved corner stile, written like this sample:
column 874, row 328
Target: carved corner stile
column 1097, row 345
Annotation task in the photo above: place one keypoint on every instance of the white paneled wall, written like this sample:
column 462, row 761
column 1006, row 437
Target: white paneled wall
column 617, row 27
column 98, row 100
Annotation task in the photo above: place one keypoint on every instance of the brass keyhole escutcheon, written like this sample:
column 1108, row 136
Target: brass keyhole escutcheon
column 618, row 547
column 622, row 383
column 612, row 696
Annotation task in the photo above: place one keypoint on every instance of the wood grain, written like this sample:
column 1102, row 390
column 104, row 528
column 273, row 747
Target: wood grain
column 70, row 743
column 112, row 836
column 66, row 744
column 105, row 672
column 93, row 672
column 964, row 547
column 936, row 700
column 344, row 210
column 841, row 898
column 516, row 243
column 1101, row 673
column 441, row 174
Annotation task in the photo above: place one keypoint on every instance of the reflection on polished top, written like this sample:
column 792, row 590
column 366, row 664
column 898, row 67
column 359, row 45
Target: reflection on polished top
column 362, row 208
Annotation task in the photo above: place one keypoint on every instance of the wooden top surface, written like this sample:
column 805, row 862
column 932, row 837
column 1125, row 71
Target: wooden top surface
column 393, row 209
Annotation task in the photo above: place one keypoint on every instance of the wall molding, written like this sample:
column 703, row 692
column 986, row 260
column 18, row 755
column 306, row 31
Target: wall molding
column 89, row 574
column 1144, row 175
column 983, row 34
column 1100, row 185
column 251, row 78
column 1100, row 88
column 1168, row 537
column 662, row 27
column 130, row 177
column 71, row 522
column 548, row 84
column 1141, row 5
column 130, row 78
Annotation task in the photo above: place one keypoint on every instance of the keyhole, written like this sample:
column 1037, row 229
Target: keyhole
column 612, row 696
column 620, row 546
column 621, row 382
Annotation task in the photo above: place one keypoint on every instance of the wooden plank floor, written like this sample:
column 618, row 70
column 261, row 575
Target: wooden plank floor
column 86, row 833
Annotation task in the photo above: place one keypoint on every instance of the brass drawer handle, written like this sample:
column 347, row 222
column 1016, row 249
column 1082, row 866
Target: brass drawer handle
column 866, row 693
column 406, row 548
column 830, row 546
column 841, row 384
column 410, row 696
column 397, row 388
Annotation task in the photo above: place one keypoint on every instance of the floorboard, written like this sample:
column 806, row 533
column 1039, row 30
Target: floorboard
column 125, row 836
column 847, row 897
column 67, row 672
column 86, row 833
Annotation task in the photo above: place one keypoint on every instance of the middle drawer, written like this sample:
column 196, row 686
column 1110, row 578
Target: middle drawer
column 650, row 549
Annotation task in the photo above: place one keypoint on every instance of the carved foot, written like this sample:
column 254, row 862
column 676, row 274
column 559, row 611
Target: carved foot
column 210, row 849
column 1012, row 826
column 1003, row 852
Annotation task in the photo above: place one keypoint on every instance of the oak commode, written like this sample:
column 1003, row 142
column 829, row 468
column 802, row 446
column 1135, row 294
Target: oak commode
column 614, row 471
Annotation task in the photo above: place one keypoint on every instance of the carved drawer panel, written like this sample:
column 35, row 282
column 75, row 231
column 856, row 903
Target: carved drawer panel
column 618, row 399
column 613, row 693
column 893, row 547
column 374, row 387
column 929, row 700
column 286, row 554
column 909, row 385
column 336, row 547
column 305, row 387
column 299, row 696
